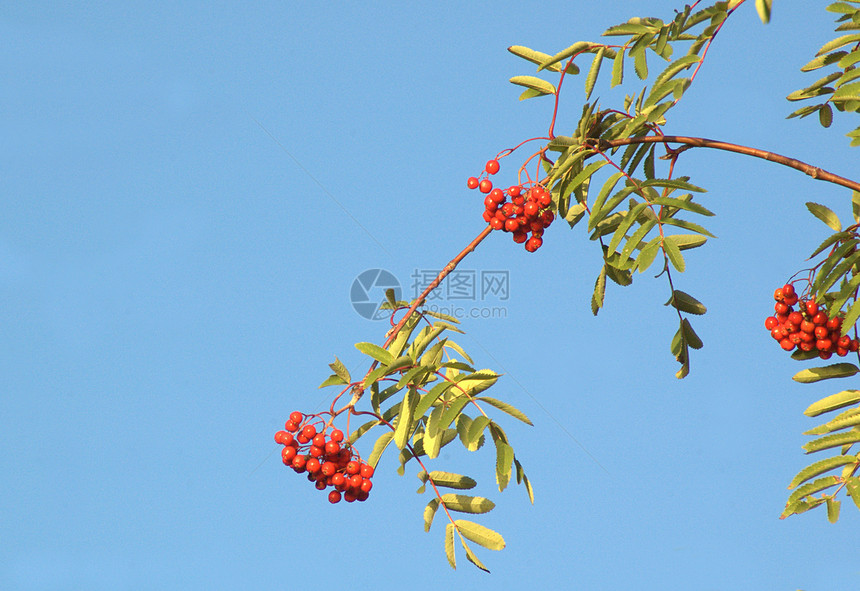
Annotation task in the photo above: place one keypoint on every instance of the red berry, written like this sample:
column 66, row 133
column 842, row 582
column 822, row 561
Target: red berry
column 533, row 243
column 332, row 447
column 320, row 484
column 283, row 437
column 515, row 191
column 338, row 480
column 319, row 440
column 795, row 318
column 299, row 462
column 485, row 186
column 854, row 345
column 531, row 209
column 821, row 332
column 366, row 485
column 770, row 323
column 287, row 454
column 778, row 295
column 366, row 471
column 807, row 326
column 328, row 468
column 313, row 465
column 302, row 439
column 804, row 346
column 776, row 333
column 833, row 323
column 349, row 496
column 488, row 216
column 291, row 426
column 820, row 319
column 511, row 225
column 781, row 308
column 309, row 431
column 520, row 236
column 547, row 217
column 786, row 344
column 841, row 351
column 355, row 481
column 825, row 354
column 844, row 341
column 824, row 344
column 492, row 166
column 316, row 452
column 497, row 224
column 337, row 435
column 790, row 301
column 788, row 290
column 353, row 468
column 811, row 307
column 472, row 182
column 334, row 497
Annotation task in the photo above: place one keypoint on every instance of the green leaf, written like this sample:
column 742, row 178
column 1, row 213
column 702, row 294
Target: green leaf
column 451, row 480
column 831, row 441
column 430, row 513
column 682, row 204
column 534, row 83
column 507, row 408
column 471, row 556
column 621, row 231
column 617, row 69
column 467, row 503
column 430, row 397
column 833, row 402
column 591, row 78
column 687, row 226
column 839, row 42
column 686, row 303
column 833, row 510
column 825, row 214
column 648, row 254
column 674, row 253
column 690, row 335
column 340, row 370
column 640, row 63
column 504, row 459
column 521, row 477
column 356, row 433
column 376, row 352
column 763, row 8
column 813, row 487
column 537, row 57
column 576, row 48
column 379, row 447
column 852, row 315
column 599, row 291
column 821, row 467
column 853, row 486
column 333, row 381
column 479, row 534
column 405, row 421
column 450, row 528
column 816, row 374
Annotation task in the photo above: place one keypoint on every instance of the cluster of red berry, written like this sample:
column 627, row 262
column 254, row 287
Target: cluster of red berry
column 527, row 211
column 326, row 461
column 809, row 328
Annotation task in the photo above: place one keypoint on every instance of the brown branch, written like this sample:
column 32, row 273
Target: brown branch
column 358, row 390
column 698, row 142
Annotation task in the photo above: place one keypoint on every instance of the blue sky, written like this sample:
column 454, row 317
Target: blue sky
column 190, row 189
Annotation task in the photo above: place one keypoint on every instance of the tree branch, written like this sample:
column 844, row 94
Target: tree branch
column 698, row 142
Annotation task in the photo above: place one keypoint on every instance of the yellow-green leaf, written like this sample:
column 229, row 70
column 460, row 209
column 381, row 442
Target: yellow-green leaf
column 449, row 544
column 833, row 402
column 815, row 374
column 821, row 467
column 489, row 539
column 467, row 503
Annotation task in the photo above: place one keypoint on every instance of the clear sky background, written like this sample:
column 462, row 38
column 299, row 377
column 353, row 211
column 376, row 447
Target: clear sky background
column 188, row 191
